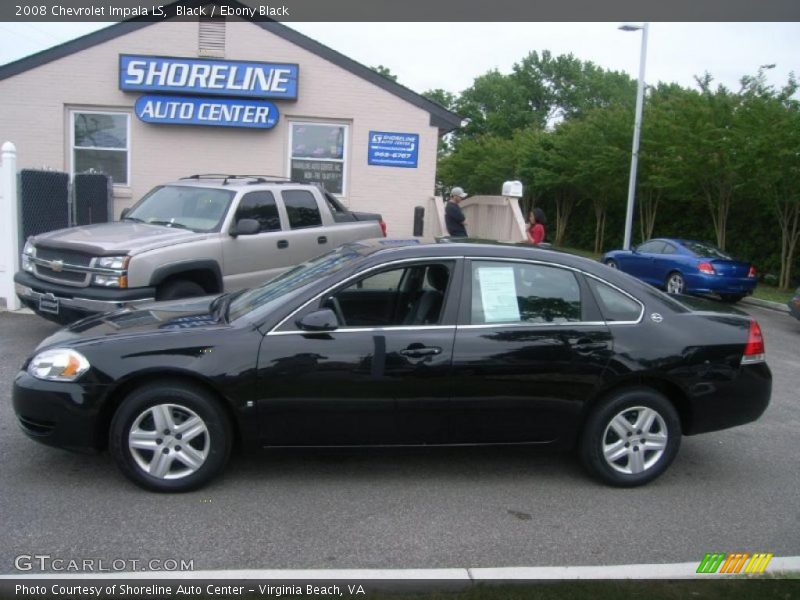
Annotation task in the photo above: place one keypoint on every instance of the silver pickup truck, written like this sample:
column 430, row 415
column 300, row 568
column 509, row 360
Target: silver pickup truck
column 201, row 235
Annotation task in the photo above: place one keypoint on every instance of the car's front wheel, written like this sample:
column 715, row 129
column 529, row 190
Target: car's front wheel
column 631, row 437
column 675, row 283
column 170, row 436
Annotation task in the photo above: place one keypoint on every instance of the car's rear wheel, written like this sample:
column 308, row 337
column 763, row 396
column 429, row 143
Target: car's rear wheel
column 675, row 283
column 731, row 298
column 180, row 288
column 631, row 437
column 170, row 437
column 612, row 263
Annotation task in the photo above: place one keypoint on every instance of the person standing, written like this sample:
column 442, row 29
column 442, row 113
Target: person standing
column 454, row 218
column 536, row 231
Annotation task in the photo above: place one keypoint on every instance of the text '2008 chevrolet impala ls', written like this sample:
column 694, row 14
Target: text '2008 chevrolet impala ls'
column 380, row 343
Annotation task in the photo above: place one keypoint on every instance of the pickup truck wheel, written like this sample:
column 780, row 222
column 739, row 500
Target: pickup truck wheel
column 180, row 288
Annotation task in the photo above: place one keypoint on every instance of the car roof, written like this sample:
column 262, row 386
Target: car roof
column 236, row 182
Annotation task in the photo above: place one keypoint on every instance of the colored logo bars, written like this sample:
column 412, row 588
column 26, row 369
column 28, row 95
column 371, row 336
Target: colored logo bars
column 734, row 563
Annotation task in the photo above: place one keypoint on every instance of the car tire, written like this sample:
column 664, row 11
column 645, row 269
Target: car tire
column 675, row 283
column 180, row 288
column 612, row 263
column 176, row 463
column 614, row 444
column 731, row 298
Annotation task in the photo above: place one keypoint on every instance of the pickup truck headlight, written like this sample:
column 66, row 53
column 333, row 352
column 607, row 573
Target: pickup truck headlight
column 113, row 262
column 28, row 252
column 115, row 281
column 59, row 364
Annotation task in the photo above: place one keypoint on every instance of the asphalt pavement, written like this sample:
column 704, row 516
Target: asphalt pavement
column 735, row 490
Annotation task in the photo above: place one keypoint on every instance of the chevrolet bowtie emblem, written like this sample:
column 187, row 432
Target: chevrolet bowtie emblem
column 57, row 265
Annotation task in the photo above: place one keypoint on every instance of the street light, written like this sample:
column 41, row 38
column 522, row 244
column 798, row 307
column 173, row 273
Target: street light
column 637, row 127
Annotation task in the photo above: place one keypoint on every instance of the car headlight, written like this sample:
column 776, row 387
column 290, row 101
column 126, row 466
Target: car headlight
column 117, row 281
column 28, row 252
column 59, row 364
column 113, row 262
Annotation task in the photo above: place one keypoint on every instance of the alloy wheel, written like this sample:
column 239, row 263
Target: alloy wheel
column 635, row 440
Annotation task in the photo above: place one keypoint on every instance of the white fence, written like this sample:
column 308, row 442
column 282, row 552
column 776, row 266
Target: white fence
column 9, row 227
column 488, row 217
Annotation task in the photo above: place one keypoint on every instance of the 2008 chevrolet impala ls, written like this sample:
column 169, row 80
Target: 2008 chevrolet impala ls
column 398, row 343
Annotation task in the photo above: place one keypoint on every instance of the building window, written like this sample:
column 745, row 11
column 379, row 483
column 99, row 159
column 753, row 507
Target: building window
column 101, row 142
column 318, row 154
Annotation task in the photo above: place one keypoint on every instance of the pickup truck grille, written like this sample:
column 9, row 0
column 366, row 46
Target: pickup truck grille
column 70, row 257
column 62, row 276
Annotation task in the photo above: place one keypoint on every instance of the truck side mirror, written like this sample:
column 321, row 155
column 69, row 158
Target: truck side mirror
column 245, row 227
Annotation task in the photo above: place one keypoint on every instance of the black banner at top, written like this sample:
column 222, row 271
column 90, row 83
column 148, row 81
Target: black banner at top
column 407, row 10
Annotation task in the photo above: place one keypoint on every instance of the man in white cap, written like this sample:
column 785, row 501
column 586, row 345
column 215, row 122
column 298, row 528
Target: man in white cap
column 454, row 217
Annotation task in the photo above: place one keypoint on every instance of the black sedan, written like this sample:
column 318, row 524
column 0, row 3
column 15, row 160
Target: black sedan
column 380, row 343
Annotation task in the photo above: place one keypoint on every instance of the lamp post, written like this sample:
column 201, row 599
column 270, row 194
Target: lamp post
column 637, row 127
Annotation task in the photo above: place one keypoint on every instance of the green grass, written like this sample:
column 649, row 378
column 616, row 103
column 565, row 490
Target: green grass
column 773, row 294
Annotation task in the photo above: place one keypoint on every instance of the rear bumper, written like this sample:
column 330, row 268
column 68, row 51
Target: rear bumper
column 74, row 301
column 740, row 400
column 716, row 284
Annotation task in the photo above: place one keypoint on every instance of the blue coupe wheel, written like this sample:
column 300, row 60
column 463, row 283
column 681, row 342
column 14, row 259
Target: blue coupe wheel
column 675, row 283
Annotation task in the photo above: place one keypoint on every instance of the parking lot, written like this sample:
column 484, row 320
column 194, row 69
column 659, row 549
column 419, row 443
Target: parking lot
column 734, row 490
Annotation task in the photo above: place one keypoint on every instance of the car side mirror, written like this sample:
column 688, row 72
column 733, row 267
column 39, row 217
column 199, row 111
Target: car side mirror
column 124, row 213
column 245, row 227
column 319, row 320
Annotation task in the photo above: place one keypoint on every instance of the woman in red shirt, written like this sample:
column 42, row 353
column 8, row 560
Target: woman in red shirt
column 537, row 221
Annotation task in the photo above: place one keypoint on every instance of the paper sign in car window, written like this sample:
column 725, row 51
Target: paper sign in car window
column 498, row 294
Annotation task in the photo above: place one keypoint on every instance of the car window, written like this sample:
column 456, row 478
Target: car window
column 668, row 249
column 523, row 293
column 409, row 295
column 302, row 209
column 701, row 249
column 260, row 206
column 614, row 305
column 651, row 247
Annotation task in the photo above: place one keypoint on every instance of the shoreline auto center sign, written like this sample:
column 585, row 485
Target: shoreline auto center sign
column 244, row 84
column 392, row 149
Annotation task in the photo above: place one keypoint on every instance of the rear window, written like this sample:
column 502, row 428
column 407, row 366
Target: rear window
column 302, row 209
column 615, row 305
column 701, row 249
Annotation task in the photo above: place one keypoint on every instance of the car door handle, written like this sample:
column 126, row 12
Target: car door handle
column 322, row 240
column 421, row 351
column 584, row 346
column 283, row 243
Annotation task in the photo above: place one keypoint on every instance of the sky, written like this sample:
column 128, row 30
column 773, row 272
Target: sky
column 450, row 55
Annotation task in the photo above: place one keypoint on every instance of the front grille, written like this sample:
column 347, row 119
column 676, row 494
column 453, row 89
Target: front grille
column 65, row 276
column 35, row 426
column 70, row 257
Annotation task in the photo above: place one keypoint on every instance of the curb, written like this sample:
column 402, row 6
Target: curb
column 776, row 306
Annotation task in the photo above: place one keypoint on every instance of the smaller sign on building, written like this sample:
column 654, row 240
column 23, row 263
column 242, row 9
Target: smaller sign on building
column 223, row 112
column 328, row 174
column 139, row 73
column 389, row 149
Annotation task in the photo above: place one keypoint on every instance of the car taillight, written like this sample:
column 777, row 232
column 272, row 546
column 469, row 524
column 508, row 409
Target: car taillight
column 752, row 272
column 383, row 227
column 707, row 268
column 754, row 348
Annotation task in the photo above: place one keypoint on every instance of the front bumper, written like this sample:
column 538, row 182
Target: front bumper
column 61, row 414
column 76, row 301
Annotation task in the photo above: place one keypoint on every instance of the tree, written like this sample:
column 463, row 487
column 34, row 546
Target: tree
column 385, row 71
column 770, row 121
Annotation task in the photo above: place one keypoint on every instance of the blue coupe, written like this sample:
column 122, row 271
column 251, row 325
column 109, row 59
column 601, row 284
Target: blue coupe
column 686, row 267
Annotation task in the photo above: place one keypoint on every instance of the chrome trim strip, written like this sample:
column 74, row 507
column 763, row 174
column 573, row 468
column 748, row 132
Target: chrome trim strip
column 369, row 329
column 525, row 324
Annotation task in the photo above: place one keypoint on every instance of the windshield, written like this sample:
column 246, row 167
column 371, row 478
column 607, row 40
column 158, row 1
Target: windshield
column 292, row 282
column 705, row 250
column 189, row 207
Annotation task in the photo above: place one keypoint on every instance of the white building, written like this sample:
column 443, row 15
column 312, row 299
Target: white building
column 153, row 102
